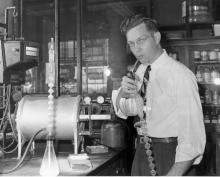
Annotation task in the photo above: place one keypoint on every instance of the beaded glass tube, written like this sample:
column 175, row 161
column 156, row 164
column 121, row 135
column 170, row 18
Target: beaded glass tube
column 147, row 139
column 49, row 166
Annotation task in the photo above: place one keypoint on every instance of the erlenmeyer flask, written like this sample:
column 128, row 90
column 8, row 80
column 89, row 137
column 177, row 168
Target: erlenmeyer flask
column 49, row 165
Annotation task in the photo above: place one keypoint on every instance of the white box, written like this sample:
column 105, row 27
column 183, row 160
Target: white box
column 216, row 29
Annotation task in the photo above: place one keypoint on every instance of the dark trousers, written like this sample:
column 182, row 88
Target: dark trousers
column 164, row 156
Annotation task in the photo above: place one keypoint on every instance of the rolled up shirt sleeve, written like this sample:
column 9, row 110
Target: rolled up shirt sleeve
column 191, row 131
column 118, row 111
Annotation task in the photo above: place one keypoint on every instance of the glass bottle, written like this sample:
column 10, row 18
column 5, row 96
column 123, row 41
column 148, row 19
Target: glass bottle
column 207, row 75
column 199, row 74
column 215, row 97
column 214, row 117
column 206, row 117
column 213, row 74
column 184, row 13
column 208, row 96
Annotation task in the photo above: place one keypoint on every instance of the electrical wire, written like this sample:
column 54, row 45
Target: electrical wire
column 8, row 152
column 7, row 145
column 8, row 119
column 25, row 153
column 6, row 106
column 4, row 114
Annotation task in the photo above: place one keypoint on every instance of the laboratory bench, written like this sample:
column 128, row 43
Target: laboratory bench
column 112, row 163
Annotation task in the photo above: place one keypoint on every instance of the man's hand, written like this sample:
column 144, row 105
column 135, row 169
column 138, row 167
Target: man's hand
column 128, row 87
column 141, row 127
column 129, row 90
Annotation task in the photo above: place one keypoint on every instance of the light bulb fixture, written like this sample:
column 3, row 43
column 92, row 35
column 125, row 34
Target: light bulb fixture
column 217, row 81
column 107, row 71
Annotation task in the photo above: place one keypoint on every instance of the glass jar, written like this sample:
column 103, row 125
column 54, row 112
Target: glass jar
column 198, row 11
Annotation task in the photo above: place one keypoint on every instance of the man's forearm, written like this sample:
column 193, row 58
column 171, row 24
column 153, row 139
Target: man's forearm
column 180, row 168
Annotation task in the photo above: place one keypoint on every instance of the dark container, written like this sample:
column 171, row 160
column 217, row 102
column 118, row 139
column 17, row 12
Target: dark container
column 113, row 134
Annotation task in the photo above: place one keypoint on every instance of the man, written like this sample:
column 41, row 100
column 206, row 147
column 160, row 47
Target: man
column 171, row 119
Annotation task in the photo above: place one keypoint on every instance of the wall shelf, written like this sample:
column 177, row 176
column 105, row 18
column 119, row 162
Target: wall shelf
column 206, row 62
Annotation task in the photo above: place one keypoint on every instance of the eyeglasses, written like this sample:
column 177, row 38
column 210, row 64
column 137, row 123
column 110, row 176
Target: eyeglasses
column 139, row 42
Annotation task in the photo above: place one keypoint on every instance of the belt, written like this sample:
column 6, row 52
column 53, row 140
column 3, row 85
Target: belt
column 143, row 139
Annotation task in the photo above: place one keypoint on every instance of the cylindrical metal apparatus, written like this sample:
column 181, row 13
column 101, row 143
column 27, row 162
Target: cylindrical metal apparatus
column 32, row 115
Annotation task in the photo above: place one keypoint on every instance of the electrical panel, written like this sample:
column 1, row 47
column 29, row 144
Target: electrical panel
column 21, row 54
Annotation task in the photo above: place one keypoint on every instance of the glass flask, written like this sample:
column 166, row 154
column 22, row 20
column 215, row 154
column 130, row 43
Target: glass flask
column 49, row 165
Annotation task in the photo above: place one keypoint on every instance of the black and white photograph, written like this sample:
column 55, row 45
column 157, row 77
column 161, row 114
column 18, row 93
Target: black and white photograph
column 109, row 87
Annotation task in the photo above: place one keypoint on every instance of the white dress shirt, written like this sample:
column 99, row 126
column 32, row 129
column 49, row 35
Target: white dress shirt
column 173, row 107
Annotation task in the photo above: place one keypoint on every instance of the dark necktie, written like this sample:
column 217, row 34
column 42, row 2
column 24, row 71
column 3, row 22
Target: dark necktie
column 145, row 79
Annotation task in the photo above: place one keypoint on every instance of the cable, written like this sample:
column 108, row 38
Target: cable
column 24, row 155
column 8, row 145
column 8, row 152
column 8, row 119
column 6, row 106
column 4, row 114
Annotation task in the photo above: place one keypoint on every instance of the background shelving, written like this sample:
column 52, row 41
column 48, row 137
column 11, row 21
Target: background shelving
column 95, row 58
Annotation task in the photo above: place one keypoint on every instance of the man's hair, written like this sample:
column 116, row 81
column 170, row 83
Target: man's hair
column 131, row 22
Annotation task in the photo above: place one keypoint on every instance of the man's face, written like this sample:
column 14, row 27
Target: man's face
column 142, row 43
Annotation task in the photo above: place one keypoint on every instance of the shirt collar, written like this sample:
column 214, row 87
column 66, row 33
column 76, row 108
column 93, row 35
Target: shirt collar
column 156, row 65
column 160, row 61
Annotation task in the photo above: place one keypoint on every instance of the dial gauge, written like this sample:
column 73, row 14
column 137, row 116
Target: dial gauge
column 87, row 100
column 100, row 99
